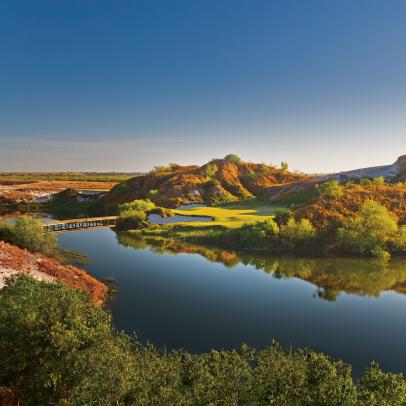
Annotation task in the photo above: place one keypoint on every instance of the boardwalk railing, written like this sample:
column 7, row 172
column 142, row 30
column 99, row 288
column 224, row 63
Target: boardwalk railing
column 78, row 224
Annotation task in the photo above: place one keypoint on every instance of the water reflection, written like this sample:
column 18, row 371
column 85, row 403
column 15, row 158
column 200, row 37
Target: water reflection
column 332, row 276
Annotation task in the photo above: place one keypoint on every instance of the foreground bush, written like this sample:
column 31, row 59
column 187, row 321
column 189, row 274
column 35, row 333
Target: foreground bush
column 56, row 348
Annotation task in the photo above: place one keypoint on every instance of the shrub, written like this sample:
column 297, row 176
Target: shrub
column 152, row 193
column 377, row 388
column 400, row 240
column 255, row 235
column 282, row 216
column 132, row 220
column 7, row 232
column 370, row 231
column 210, row 171
column 250, row 176
column 121, row 188
column 331, row 189
column 134, row 215
column 28, row 232
column 380, row 180
column 137, row 205
column 233, row 158
column 56, row 347
column 284, row 166
column 297, row 235
column 173, row 166
column 381, row 254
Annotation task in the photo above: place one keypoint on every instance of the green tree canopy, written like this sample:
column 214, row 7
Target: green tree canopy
column 57, row 348
column 235, row 159
column 369, row 231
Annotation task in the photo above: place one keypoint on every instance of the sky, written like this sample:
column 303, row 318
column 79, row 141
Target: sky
column 123, row 85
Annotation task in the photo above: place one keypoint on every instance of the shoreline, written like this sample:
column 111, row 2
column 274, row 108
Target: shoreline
column 15, row 261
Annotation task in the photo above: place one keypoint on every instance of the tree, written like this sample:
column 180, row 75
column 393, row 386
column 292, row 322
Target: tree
column 284, row 166
column 233, row 158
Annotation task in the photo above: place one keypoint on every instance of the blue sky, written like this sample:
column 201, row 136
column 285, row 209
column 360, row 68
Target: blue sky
column 125, row 85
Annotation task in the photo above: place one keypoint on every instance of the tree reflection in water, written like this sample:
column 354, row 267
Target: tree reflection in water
column 360, row 276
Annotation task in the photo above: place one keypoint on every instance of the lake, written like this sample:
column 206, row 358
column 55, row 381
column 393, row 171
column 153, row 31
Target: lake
column 180, row 295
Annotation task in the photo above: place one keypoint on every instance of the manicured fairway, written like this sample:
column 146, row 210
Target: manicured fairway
column 231, row 215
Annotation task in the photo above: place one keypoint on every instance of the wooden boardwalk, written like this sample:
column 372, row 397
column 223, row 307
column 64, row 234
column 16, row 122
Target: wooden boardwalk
column 80, row 224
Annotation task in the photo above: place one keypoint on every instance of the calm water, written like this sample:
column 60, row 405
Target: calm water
column 186, row 296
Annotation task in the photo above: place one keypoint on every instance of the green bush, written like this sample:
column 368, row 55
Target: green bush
column 370, row 231
column 210, row 171
column 57, row 348
column 377, row 388
column 282, row 216
column 7, row 232
column 284, row 166
column 380, row 180
column 255, row 235
column 173, row 166
column 152, row 193
column 249, row 177
column 331, row 189
column 134, row 215
column 132, row 220
column 233, row 158
column 297, row 235
column 28, row 232
column 138, row 205
column 400, row 240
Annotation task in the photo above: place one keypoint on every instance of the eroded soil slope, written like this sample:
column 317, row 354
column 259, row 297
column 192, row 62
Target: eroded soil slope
column 216, row 181
column 14, row 260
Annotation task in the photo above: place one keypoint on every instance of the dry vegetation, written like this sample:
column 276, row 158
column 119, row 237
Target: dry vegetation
column 217, row 181
column 323, row 210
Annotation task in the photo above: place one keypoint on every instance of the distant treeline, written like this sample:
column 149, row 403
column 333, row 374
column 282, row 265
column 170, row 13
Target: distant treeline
column 70, row 176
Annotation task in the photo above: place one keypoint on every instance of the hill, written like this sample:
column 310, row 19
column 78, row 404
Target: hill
column 304, row 189
column 220, row 180
column 395, row 172
column 323, row 210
